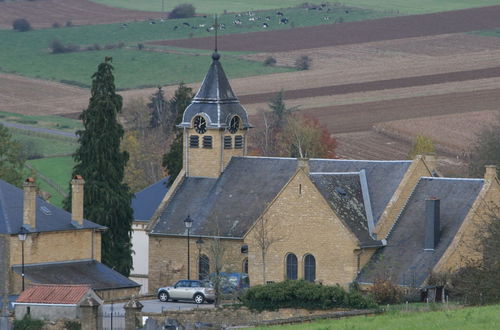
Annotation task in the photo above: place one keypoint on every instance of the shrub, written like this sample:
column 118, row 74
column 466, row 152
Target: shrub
column 58, row 47
column 69, row 24
column 303, row 63
column 182, row 11
column 302, row 294
column 21, row 25
column 140, row 46
column 269, row 61
column 28, row 323
column 386, row 292
column 73, row 325
column 56, row 25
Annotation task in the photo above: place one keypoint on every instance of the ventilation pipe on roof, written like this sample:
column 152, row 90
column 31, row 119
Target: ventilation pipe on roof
column 77, row 186
column 29, row 203
column 432, row 228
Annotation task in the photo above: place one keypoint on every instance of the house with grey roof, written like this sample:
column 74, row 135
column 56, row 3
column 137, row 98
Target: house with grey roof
column 144, row 204
column 43, row 244
column 323, row 220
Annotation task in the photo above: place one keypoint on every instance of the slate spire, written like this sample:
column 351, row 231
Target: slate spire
column 215, row 99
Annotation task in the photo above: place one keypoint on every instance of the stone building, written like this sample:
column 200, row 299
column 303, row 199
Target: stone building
column 322, row 220
column 51, row 245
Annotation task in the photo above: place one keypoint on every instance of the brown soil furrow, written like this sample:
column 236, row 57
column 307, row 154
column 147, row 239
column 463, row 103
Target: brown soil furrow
column 43, row 13
column 362, row 116
column 352, row 32
column 377, row 85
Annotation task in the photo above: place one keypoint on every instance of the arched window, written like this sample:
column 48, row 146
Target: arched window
column 245, row 266
column 309, row 268
column 203, row 267
column 291, row 266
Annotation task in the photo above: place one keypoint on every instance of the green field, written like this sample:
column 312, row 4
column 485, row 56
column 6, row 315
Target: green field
column 28, row 53
column 43, row 144
column 57, row 169
column 467, row 318
column 218, row 6
column 50, row 122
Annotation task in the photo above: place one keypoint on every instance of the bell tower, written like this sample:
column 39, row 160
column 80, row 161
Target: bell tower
column 215, row 125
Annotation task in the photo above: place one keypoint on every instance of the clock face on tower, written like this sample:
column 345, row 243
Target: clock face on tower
column 200, row 124
column 234, row 125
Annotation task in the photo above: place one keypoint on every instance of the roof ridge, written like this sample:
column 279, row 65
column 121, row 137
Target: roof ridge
column 451, row 179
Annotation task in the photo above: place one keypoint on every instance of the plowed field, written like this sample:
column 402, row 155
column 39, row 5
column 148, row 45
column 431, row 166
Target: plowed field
column 43, row 13
column 352, row 32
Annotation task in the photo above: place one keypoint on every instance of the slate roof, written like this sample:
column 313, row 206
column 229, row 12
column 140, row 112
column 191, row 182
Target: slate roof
column 53, row 294
column 216, row 100
column 89, row 272
column 48, row 216
column 404, row 259
column 229, row 205
column 344, row 194
column 146, row 201
column 383, row 177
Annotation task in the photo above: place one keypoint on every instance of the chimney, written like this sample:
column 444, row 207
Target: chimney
column 77, row 199
column 490, row 172
column 29, row 203
column 303, row 163
column 432, row 227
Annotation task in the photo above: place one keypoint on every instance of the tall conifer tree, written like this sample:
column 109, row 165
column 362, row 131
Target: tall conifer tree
column 101, row 163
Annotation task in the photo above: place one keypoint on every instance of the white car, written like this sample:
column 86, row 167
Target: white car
column 197, row 291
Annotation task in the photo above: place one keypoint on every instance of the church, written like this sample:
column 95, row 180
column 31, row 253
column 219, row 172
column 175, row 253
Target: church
column 327, row 221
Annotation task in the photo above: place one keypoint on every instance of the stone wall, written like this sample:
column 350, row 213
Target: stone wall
column 223, row 317
column 301, row 222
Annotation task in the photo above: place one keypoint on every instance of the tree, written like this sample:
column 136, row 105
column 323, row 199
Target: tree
column 101, row 163
column 21, row 25
column 11, row 158
column 423, row 145
column 263, row 234
column 303, row 63
column 486, row 150
column 182, row 11
column 305, row 137
column 172, row 160
column 158, row 107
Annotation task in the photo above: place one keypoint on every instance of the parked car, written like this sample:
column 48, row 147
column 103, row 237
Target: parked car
column 197, row 291
column 232, row 282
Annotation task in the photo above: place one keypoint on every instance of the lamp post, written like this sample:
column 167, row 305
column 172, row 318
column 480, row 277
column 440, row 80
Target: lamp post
column 22, row 237
column 188, row 222
column 199, row 244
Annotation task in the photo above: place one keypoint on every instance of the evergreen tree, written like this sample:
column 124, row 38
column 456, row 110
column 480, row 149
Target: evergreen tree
column 11, row 158
column 101, row 163
column 172, row 160
column 158, row 107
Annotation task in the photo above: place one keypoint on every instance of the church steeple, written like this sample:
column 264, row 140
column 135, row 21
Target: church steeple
column 215, row 125
column 216, row 100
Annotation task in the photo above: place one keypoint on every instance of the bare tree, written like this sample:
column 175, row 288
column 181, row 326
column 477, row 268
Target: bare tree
column 218, row 251
column 265, row 236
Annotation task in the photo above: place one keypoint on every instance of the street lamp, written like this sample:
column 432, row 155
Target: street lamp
column 199, row 244
column 188, row 222
column 23, row 233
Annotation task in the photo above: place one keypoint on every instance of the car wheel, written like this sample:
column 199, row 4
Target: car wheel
column 199, row 298
column 163, row 296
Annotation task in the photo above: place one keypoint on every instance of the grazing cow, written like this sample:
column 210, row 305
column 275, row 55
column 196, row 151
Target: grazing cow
column 284, row 20
column 186, row 24
column 326, row 18
column 152, row 22
column 175, row 27
column 279, row 13
column 251, row 13
column 265, row 25
column 222, row 26
column 268, row 18
column 237, row 22
column 201, row 25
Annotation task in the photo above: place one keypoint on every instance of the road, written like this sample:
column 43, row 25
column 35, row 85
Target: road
column 156, row 306
column 39, row 129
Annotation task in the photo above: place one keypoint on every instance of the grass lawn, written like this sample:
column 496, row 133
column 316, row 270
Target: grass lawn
column 202, row 6
column 28, row 53
column 467, row 318
column 57, row 169
column 218, row 6
column 43, row 144
column 51, row 122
